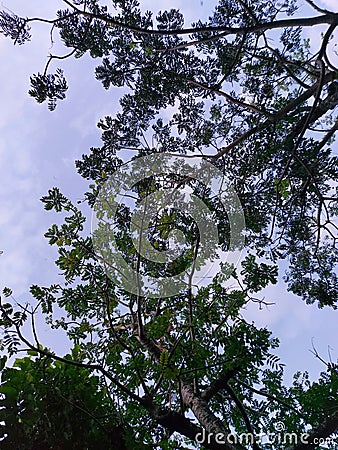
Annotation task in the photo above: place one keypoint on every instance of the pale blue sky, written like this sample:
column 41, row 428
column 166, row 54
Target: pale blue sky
column 37, row 152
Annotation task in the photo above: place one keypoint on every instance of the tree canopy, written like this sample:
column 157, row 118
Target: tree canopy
column 243, row 98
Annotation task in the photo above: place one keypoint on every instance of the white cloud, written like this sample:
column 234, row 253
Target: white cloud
column 331, row 4
column 33, row 145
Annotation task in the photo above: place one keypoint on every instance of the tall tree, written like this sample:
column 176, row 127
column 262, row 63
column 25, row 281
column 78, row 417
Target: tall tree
column 253, row 100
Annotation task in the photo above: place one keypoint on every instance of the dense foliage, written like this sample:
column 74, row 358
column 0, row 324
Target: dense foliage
column 49, row 404
column 248, row 93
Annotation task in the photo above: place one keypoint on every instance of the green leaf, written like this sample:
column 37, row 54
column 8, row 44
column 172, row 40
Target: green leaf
column 3, row 361
column 7, row 292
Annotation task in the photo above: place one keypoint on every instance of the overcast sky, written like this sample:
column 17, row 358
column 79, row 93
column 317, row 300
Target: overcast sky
column 38, row 150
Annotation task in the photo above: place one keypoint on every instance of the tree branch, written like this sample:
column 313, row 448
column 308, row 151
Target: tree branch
column 278, row 115
column 329, row 18
column 324, row 19
column 71, row 362
column 218, row 384
column 269, row 396
column 317, row 8
column 231, row 99
column 241, row 408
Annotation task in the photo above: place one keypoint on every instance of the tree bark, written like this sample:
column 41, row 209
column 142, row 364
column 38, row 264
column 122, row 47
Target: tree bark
column 206, row 417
